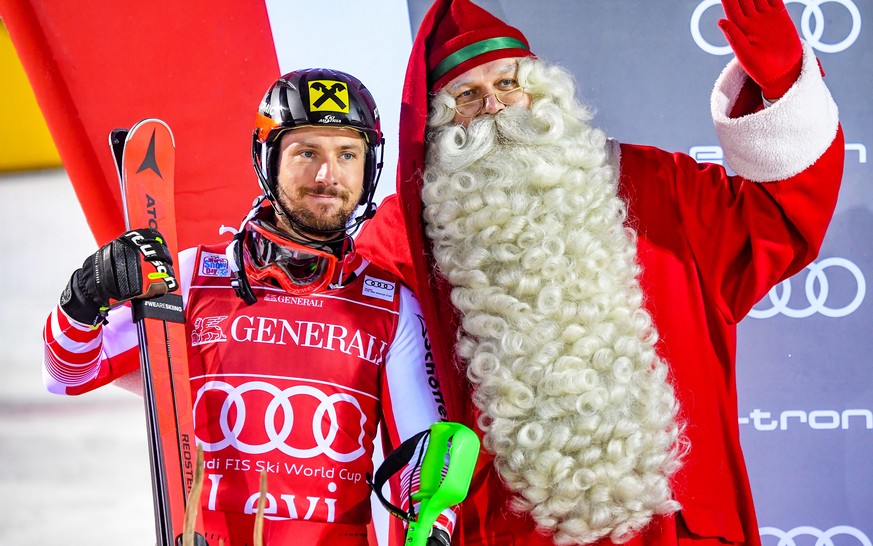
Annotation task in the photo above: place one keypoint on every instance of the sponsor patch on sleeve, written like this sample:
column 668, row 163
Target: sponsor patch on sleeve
column 214, row 265
column 378, row 288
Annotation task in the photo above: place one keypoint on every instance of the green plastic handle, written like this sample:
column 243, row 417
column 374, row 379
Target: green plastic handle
column 438, row 492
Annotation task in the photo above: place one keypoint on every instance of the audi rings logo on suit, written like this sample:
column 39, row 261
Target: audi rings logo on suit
column 281, row 438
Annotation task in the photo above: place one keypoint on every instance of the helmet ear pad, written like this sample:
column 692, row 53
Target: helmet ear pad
column 272, row 172
column 370, row 173
column 262, row 159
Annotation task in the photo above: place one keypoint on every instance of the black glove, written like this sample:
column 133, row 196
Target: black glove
column 136, row 265
column 438, row 537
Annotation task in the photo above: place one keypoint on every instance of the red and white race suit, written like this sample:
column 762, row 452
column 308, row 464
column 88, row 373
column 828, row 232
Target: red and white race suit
column 295, row 386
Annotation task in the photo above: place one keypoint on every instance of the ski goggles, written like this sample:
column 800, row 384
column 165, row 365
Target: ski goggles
column 299, row 269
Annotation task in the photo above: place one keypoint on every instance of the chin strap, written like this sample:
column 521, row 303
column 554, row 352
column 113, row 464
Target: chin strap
column 234, row 253
column 239, row 280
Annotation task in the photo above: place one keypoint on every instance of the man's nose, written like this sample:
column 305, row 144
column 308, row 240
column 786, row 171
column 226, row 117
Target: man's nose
column 326, row 173
column 492, row 105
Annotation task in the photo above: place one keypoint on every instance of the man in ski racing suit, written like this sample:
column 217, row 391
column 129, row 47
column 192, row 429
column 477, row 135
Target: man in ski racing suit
column 298, row 347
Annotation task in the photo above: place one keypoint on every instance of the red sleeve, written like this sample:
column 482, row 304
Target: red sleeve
column 744, row 236
column 78, row 359
column 747, row 232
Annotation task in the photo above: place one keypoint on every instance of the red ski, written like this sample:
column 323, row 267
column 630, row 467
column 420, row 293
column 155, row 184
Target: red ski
column 145, row 158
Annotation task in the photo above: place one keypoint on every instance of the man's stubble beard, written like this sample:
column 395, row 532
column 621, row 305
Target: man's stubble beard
column 528, row 230
column 321, row 219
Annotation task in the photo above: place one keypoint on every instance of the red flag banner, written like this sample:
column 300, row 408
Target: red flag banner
column 201, row 66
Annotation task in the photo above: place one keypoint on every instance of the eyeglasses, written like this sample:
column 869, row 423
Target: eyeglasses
column 471, row 109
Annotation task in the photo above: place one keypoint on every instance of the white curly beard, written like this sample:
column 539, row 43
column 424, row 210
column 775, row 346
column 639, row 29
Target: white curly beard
column 575, row 404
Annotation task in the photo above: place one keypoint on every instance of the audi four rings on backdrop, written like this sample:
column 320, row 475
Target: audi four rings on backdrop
column 816, row 278
column 812, row 34
column 816, row 288
column 822, row 538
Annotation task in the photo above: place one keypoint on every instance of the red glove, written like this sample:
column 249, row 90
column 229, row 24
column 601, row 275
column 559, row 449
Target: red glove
column 765, row 42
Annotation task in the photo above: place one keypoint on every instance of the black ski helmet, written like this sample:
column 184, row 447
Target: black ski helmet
column 316, row 97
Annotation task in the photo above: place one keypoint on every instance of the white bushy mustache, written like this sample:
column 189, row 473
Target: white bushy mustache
column 461, row 146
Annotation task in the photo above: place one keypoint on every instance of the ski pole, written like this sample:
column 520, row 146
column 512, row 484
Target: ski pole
column 438, row 492
column 444, row 475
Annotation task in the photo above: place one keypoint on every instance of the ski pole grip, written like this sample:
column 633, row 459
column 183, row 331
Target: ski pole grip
column 437, row 491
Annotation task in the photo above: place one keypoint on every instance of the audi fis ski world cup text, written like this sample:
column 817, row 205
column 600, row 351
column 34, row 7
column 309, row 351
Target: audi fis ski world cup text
column 296, row 469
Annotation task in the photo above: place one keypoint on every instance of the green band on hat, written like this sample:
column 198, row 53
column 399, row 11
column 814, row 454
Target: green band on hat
column 474, row 50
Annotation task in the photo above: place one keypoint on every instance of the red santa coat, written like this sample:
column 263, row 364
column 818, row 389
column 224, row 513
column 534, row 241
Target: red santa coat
column 710, row 245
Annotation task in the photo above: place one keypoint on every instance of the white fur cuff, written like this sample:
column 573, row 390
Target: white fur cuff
column 783, row 139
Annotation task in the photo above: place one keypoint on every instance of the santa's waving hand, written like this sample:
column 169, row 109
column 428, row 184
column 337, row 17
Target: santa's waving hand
column 765, row 42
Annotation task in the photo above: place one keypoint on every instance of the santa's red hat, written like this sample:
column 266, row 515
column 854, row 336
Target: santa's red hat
column 461, row 36
column 454, row 36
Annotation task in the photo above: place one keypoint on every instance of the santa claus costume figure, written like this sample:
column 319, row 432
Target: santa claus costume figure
column 581, row 294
